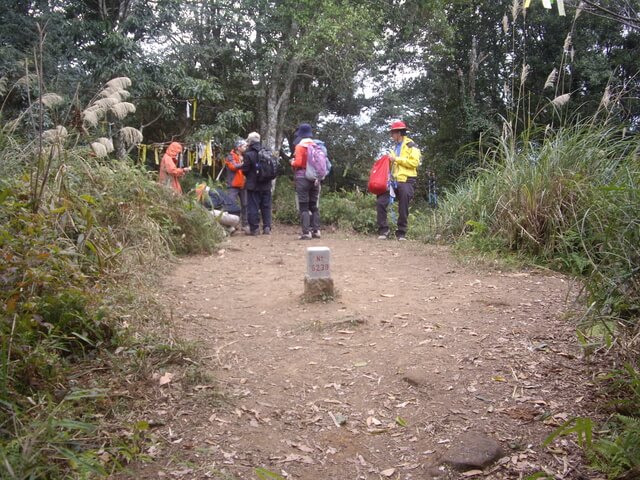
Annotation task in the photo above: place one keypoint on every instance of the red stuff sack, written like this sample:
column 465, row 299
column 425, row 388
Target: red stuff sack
column 379, row 176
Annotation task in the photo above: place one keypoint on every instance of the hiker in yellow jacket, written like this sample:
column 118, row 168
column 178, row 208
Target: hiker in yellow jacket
column 405, row 160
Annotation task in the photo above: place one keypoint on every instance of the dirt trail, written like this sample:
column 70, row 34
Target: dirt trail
column 376, row 384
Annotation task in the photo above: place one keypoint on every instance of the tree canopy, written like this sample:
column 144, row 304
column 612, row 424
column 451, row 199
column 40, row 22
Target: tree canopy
column 453, row 70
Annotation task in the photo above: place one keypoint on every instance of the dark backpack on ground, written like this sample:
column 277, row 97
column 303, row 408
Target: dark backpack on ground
column 266, row 166
column 221, row 200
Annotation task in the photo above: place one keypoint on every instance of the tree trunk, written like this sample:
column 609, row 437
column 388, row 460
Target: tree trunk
column 283, row 75
column 277, row 103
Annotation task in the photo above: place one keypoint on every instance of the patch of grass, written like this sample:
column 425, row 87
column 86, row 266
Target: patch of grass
column 67, row 273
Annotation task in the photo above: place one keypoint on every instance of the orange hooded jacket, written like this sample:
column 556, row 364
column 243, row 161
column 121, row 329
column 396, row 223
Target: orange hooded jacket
column 234, row 163
column 169, row 172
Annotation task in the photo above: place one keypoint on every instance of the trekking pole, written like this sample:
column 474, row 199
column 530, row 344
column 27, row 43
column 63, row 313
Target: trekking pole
column 220, row 172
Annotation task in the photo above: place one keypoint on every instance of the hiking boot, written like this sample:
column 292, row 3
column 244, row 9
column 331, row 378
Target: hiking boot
column 267, row 231
column 252, row 233
column 316, row 234
column 402, row 239
column 246, row 229
column 383, row 237
column 305, row 236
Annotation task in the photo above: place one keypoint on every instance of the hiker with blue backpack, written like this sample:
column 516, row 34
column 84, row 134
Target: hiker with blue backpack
column 405, row 160
column 310, row 165
column 260, row 168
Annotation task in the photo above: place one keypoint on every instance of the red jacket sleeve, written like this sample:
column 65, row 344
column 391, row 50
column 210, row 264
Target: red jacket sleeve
column 171, row 168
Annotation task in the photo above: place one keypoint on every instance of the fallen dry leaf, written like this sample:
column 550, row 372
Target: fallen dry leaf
column 388, row 472
column 294, row 457
column 166, row 378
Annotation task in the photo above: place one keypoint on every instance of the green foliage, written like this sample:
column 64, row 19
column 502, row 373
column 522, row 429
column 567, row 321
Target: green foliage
column 623, row 389
column 284, row 202
column 353, row 210
column 264, row 474
column 568, row 198
column 616, row 454
column 97, row 226
column 619, row 453
column 582, row 427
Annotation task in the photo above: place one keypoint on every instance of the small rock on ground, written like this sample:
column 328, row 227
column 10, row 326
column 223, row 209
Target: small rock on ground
column 472, row 450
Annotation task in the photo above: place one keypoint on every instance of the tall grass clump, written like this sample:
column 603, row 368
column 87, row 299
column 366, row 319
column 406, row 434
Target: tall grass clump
column 568, row 198
column 77, row 230
column 101, row 228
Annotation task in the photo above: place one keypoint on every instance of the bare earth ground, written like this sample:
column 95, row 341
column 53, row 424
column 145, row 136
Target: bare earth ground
column 379, row 383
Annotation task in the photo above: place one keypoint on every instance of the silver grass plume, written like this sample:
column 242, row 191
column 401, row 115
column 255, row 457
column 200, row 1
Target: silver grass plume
column 90, row 118
column 99, row 149
column 121, row 95
column 3, row 86
column 579, row 10
column 54, row 151
column 122, row 109
column 55, row 135
column 108, row 144
column 117, row 93
column 120, row 83
column 50, row 100
column 505, row 24
column 551, row 79
column 524, row 74
column 27, row 79
column 567, row 43
column 560, row 100
column 515, row 9
column 130, row 136
column 606, row 97
column 104, row 103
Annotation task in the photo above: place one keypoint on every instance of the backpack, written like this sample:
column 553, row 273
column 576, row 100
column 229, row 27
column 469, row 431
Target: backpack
column 266, row 166
column 221, row 200
column 318, row 164
column 379, row 176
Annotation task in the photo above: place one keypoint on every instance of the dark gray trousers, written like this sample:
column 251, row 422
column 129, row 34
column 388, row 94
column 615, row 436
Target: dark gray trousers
column 308, row 198
column 404, row 195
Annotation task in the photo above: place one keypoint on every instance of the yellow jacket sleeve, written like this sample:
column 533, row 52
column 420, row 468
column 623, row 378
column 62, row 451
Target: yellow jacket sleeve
column 406, row 164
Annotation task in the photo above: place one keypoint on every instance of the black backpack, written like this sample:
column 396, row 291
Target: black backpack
column 266, row 166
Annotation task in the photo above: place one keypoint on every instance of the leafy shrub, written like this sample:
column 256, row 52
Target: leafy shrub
column 284, row 202
column 354, row 210
column 98, row 224
column 619, row 454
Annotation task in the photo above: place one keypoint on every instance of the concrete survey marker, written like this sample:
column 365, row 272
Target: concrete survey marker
column 319, row 262
column 318, row 284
